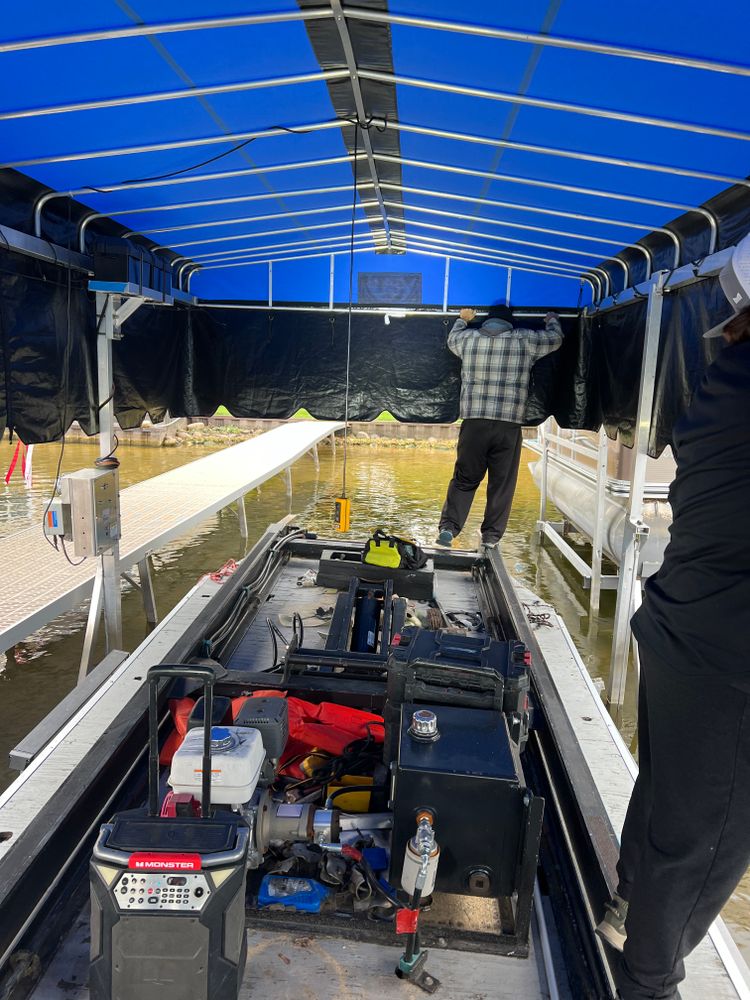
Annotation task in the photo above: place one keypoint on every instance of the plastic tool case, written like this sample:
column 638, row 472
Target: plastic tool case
column 446, row 668
column 168, row 894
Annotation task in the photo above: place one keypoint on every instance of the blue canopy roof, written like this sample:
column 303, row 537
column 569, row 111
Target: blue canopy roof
column 540, row 139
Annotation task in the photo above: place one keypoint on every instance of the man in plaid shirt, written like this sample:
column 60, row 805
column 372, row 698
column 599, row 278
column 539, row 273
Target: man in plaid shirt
column 496, row 363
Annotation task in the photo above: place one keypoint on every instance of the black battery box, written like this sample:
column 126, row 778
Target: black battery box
column 474, row 671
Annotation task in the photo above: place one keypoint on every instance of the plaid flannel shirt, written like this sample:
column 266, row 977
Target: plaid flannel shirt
column 496, row 363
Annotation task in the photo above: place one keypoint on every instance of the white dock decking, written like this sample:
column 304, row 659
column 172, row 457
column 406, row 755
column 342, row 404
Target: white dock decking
column 715, row 969
column 39, row 584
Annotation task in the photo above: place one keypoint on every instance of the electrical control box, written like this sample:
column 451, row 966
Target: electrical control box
column 57, row 519
column 93, row 498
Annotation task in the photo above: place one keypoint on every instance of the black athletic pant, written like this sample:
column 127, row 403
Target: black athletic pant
column 484, row 445
column 685, row 841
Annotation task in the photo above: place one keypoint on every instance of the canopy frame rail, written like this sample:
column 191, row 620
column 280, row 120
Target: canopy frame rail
column 450, row 196
column 382, row 17
column 337, row 123
column 359, row 104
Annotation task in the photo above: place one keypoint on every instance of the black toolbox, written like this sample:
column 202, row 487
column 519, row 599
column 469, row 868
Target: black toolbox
column 440, row 667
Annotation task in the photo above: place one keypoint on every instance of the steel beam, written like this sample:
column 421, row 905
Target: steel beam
column 525, row 227
column 337, row 123
column 164, row 28
column 506, row 97
column 359, row 104
column 270, row 232
column 505, row 239
column 547, row 185
column 110, row 559
column 193, row 178
column 549, row 41
column 634, row 528
column 450, row 196
column 291, row 245
column 491, row 263
column 507, row 255
column 266, row 260
column 158, row 97
column 427, row 192
column 249, row 253
column 324, row 210
column 446, row 282
column 367, row 14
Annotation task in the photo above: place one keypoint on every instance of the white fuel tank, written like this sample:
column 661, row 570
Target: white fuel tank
column 237, row 757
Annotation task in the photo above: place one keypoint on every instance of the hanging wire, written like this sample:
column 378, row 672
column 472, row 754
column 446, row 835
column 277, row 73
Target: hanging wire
column 349, row 317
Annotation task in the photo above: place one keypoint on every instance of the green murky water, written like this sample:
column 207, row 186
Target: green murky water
column 401, row 489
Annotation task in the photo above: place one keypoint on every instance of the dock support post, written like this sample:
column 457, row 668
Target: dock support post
column 147, row 591
column 315, row 457
column 288, row 478
column 333, row 443
column 543, row 489
column 635, row 530
column 242, row 515
column 92, row 625
column 110, row 560
column 597, row 541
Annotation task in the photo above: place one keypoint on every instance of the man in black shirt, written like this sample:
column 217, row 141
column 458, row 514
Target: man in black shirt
column 686, row 837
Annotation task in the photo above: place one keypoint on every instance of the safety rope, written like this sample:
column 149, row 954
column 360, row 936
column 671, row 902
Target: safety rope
column 349, row 317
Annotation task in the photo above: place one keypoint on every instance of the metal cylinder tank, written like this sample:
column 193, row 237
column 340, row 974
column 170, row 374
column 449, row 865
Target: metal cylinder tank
column 574, row 495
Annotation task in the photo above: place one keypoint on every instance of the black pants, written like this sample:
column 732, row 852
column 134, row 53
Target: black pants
column 685, row 842
column 484, row 445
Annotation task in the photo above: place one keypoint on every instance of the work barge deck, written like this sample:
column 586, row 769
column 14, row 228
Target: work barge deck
column 88, row 761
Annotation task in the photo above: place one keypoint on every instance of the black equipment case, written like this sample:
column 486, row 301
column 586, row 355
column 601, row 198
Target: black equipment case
column 168, row 893
column 471, row 671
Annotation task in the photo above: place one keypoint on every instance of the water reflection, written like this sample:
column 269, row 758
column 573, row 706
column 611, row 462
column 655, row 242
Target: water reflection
column 401, row 489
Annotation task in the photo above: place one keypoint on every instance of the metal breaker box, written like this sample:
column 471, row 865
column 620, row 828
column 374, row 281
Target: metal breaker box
column 94, row 499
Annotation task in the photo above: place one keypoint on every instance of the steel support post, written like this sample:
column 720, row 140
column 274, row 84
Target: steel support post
column 597, row 541
column 543, row 488
column 331, row 279
column 147, row 591
column 242, row 515
column 92, row 625
column 635, row 530
column 110, row 560
column 270, row 284
column 446, row 282
column 508, row 284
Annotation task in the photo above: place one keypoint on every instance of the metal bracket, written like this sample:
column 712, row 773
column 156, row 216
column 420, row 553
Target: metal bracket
column 125, row 310
column 414, row 972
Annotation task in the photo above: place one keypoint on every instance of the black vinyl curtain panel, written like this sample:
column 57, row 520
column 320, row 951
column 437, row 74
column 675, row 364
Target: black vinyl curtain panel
column 270, row 363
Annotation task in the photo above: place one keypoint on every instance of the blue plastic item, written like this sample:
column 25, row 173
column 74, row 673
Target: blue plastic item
column 376, row 857
column 297, row 893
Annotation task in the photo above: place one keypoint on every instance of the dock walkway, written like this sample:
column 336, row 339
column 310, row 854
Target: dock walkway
column 39, row 584
column 715, row 969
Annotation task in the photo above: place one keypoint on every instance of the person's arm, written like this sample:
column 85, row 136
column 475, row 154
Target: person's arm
column 460, row 331
column 541, row 342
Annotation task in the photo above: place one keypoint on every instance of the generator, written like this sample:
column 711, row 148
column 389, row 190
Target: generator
column 168, row 891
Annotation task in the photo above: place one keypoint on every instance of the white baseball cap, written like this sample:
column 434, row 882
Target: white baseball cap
column 734, row 279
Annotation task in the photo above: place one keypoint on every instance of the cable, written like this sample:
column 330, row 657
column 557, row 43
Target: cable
column 349, row 317
column 196, row 166
column 64, row 385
